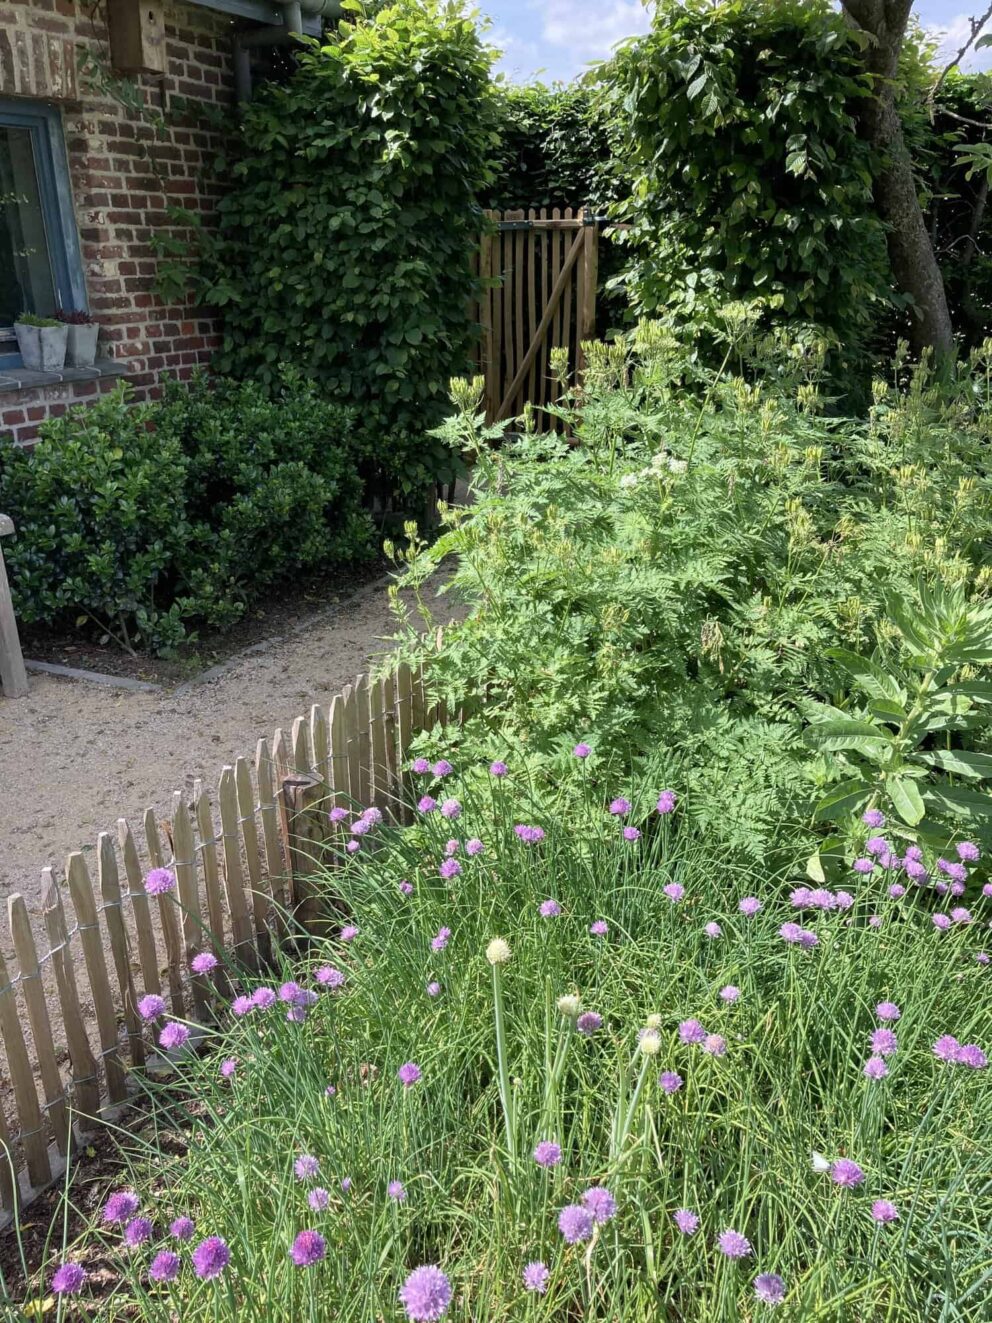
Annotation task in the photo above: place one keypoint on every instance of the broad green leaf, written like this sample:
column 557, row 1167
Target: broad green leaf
column 841, row 800
column 873, row 679
column 977, row 765
column 848, row 733
column 963, row 803
column 906, row 799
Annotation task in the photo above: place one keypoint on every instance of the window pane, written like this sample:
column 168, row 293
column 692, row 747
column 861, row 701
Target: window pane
column 26, row 283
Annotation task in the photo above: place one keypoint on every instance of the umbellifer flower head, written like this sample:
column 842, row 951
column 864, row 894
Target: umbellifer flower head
column 575, row 1223
column 210, row 1258
column 308, row 1248
column 426, row 1294
column 498, row 952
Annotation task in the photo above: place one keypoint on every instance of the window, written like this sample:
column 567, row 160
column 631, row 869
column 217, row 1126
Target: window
column 40, row 264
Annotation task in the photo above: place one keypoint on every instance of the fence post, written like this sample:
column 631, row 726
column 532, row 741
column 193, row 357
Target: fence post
column 305, row 798
column 85, row 1083
column 13, row 677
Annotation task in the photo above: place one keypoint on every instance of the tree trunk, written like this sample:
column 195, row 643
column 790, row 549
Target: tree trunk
column 910, row 250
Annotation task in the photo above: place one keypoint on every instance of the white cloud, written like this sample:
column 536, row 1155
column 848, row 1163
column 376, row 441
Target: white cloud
column 584, row 30
column 521, row 58
column 952, row 36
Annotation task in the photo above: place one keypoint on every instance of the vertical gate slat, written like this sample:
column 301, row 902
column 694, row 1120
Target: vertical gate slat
column 340, row 783
column 506, row 273
column 167, row 914
column 190, row 913
column 377, row 728
column 253, row 863
column 85, row 1083
column 41, row 1026
column 547, row 280
column 361, row 701
column 534, row 240
column 590, row 280
column 207, row 847
column 486, row 318
column 269, row 815
column 7, row 1200
column 300, row 747
column 233, row 877
column 113, row 917
column 147, row 951
column 389, row 737
column 404, row 703
column 31, row 1124
column 567, row 336
column 319, row 743
column 81, row 891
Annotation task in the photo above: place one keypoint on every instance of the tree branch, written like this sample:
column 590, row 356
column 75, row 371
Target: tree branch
column 976, row 27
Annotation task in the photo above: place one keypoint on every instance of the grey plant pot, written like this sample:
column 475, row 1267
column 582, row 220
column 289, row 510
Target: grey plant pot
column 42, row 347
column 80, row 349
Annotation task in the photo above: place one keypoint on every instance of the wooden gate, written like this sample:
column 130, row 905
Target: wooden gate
column 540, row 270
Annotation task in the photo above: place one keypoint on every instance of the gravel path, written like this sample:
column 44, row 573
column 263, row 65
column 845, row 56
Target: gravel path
column 77, row 756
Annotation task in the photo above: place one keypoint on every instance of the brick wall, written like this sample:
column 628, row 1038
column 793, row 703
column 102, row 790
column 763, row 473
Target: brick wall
column 124, row 177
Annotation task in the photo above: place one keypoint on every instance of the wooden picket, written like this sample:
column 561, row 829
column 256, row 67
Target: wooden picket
column 539, row 274
column 240, row 862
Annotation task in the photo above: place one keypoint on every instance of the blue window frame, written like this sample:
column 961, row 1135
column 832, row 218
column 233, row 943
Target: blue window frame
column 41, row 265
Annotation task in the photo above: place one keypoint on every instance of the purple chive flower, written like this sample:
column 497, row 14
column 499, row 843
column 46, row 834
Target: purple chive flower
column 769, row 1288
column 452, row 847
column 308, row 1248
column 498, row 768
column 970, row 1054
column 799, row 897
column 306, row 1167
column 360, row 827
column 958, row 888
column 204, row 962
column 914, row 852
column 887, row 1010
column 631, row 834
column 691, row 1031
column 408, row 1074
column 733, row 1244
column 68, row 1279
column 941, row 921
column 808, row 939
column 961, row 915
column 451, row 809
column 227, row 1067
column 791, row 932
column 843, row 900
column 426, row 1294
column 330, row 1091
column 536, row 1277
column 210, row 1258
column 600, row 928
column 875, row 1068
column 666, row 801
column 547, row 1154
column 589, row 1022
column 318, row 1199
column 372, row 815
column 151, row 1006
column 981, row 958
column 713, row 930
column 730, row 993
column 173, row 1035
column 290, row 993
column 915, row 870
column 874, row 921
column 442, row 767
column 674, row 891
column 987, row 889
column 549, row 909
column 715, row 1045
column 421, row 766
column 946, row 1048
column 396, row 1190
column 348, row 933
column 263, row 999
column 670, row 1081
column 873, row 818
column 440, row 941
column 864, row 865
column 884, row 1211
column 449, row 868
column 968, row 851
column 601, row 1203
column 165, row 1266
column 329, row 977
column 159, row 881
column 749, row 906
column 581, row 751
column 137, row 1231
column 433, row 989
column 426, row 804
column 822, row 899
column 474, row 846
column 530, row 835
column 406, row 888
column 897, row 891
column 686, row 1220
column 346, row 1183
column 352, row 846
column 620, row 806
column 182, row 1228
column 884, row 1042
column 575, row 1223
column 876, row 845
column 846, row 1173
column 122, row 1205
column 338, row 814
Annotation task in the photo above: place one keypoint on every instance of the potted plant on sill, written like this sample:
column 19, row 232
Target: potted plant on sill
column 80, row 349
column 41, row 341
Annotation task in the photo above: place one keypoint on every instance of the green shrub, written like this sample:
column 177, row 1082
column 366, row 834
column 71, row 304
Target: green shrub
column 349, row 225
column 749, row 179
column 147, row 520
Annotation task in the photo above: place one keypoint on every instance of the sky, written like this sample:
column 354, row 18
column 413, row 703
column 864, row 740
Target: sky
column 556, row 39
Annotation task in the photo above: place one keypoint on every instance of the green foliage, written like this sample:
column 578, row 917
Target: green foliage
column 144, row 520
column 675, row 578
column 350, row 222
column 749, row 179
